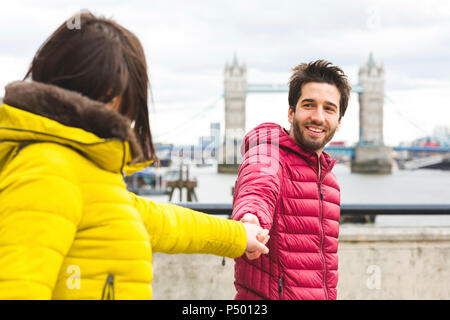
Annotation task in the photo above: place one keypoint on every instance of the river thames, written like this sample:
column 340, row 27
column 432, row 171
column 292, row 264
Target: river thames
column 425, row 186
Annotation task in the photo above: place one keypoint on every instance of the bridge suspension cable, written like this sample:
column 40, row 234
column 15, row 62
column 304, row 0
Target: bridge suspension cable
column 189, row 121
column 402, row 115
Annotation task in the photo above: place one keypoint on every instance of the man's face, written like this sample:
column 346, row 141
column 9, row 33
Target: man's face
column 316, row 116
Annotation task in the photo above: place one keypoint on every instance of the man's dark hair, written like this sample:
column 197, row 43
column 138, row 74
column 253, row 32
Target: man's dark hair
column 319, row 71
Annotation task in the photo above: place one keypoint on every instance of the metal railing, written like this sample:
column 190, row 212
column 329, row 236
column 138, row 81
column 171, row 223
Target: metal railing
column 349, row 212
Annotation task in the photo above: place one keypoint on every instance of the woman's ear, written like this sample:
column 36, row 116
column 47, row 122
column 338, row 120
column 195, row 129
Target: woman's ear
column 114, row 104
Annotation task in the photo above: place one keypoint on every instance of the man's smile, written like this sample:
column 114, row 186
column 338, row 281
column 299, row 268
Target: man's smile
column 315, row 131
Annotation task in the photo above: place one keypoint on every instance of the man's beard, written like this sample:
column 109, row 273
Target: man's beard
column 300, row 135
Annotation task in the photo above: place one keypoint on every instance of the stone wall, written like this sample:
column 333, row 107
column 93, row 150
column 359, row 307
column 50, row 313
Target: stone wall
column 374, row 263
column 394, row 263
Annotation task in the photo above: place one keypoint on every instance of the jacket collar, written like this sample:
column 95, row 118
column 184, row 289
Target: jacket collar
column 43, row 112
column 272, row 133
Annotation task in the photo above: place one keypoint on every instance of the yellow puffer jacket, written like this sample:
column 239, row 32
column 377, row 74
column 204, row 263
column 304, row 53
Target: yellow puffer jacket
column 69, row 229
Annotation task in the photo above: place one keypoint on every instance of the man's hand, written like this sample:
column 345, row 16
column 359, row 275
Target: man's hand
column 256, row 237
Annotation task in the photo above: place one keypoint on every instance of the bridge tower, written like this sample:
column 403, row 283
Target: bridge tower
column 371, row 155
column 235, row 90
column 235, row 94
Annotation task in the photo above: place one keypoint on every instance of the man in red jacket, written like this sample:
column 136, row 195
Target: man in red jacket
column 286, row 185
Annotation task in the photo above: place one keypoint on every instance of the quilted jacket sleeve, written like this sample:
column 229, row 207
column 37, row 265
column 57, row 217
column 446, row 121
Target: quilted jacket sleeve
column 40, row 206
column 258, row 185
column 175, row 229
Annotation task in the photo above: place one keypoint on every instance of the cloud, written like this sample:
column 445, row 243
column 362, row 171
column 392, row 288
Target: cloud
column 188, row 43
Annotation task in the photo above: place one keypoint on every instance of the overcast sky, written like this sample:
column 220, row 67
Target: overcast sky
column 187, row 44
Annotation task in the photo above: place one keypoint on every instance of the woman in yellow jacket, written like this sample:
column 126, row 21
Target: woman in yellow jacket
column 69, row 229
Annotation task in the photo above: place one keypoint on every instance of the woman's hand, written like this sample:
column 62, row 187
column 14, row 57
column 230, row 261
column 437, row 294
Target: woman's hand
column 257, row 237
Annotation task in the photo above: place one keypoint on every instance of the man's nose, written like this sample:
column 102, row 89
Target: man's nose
column 318, row 115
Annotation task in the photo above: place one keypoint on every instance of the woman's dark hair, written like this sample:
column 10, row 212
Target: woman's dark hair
column 319, row 71
column 101, row 60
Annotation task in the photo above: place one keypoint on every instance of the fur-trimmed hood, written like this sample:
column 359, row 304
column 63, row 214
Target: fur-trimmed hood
column 72, row 111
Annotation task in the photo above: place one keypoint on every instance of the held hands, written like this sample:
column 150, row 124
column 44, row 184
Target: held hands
column 257, row 237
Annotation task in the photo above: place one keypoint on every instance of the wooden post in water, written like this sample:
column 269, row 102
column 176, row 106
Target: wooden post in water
column 181, row 184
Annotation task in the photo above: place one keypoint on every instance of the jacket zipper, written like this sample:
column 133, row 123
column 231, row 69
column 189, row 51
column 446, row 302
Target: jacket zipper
column 322, row 233
column 108, row 289
column 280, row 287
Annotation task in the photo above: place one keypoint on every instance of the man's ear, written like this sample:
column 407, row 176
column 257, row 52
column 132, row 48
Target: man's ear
column 339, row 125
column 291, row 114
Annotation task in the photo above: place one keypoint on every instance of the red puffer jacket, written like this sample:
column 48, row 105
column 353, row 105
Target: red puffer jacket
column 279, row 182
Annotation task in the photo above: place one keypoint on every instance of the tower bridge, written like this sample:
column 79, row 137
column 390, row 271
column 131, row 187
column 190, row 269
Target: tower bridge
column 370, row 155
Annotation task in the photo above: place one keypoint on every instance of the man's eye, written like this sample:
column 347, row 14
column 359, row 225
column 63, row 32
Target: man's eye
column 307, row 105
